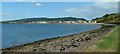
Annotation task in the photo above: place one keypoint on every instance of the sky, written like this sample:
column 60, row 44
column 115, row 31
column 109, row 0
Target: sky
column 60, row 0
column 87, row 10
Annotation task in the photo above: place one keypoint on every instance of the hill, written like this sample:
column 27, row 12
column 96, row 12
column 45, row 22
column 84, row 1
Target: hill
column 46, row 19
column 109, row 18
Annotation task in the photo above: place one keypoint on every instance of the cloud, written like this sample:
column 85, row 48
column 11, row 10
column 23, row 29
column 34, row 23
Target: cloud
column 92, row 11
column 108, row 1
column 72, row 10
column 107, row 5
column 37, row 4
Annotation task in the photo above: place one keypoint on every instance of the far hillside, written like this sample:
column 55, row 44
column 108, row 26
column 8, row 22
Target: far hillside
column 109, row 18
column 45, row 19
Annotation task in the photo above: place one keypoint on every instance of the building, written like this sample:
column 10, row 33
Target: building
column 92, row 21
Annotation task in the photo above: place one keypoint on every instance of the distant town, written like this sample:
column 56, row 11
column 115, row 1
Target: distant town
column 45, row 22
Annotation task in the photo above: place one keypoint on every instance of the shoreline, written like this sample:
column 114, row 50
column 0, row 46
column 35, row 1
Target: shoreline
column 42, row 40
column 65, row 42
column 55, row 23
column 57, row 36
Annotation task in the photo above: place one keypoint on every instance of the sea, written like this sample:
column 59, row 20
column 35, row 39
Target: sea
column 18, row 34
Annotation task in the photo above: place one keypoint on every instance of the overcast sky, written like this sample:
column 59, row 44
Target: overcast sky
column 87, row 10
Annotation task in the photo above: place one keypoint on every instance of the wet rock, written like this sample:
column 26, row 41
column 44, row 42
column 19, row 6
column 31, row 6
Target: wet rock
column 34, row 49
column 62, row 48
column 82, row 39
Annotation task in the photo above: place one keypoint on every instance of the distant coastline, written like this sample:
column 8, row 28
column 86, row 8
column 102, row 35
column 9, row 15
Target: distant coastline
column 63, row 20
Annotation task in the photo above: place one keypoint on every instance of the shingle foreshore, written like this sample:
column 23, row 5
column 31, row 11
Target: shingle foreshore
column 70, row 43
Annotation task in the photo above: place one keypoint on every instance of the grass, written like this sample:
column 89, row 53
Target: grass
column 110, row 42
column 119, row 40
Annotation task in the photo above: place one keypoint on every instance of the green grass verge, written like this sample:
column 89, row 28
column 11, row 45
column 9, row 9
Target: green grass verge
column 110, row 42
column 119, row 39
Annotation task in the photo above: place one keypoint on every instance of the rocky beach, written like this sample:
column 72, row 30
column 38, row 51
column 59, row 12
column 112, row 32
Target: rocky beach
column 71, row 43
column 60, row 27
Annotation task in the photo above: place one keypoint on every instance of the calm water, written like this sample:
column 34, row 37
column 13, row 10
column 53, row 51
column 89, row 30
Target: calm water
column 17, row 34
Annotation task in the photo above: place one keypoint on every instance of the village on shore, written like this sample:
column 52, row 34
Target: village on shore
column 48, row 22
